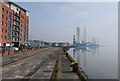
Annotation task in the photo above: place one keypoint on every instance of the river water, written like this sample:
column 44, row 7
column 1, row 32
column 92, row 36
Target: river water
column 97, row 62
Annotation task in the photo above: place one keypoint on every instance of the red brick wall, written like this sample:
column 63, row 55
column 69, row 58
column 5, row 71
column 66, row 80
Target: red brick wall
column 6, row 21
column 21, row 35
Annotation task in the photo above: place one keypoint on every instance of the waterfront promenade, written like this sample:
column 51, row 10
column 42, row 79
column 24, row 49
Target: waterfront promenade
column 37, row 64
column 65, row 71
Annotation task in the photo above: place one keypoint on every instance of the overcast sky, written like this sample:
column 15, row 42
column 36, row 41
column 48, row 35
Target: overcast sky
column 57, row 21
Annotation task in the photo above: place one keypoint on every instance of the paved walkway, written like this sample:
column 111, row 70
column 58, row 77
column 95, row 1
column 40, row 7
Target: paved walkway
column 14, row 57
column 39, row 66
column 65, row 71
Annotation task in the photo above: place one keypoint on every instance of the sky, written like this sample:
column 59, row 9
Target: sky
column 57, row 21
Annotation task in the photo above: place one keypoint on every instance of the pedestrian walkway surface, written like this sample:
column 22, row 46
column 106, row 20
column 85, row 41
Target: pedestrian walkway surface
column 65, row 71
column 14, row 57
column 39, row 66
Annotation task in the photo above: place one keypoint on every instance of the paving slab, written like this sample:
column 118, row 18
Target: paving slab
column 65, row 71
column 14, row 57
column 39, row 66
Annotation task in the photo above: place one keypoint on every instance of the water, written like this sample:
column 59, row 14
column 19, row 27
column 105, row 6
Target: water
column 97, row 62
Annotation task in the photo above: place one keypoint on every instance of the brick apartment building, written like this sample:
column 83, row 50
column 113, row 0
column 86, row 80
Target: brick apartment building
column 14, row 25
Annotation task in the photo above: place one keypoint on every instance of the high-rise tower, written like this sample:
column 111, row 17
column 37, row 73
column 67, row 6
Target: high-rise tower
column 74, row 39
column 78, row 34
column 84, row 35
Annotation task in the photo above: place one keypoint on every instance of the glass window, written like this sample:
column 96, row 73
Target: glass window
column 2, row 16
column 5, row 37
column 1, row 30
column 9, row 26
column 2, row 9
column 5, row 18
column 15, row 17
column 5, row 31
column 2, row 22
column 15, row 39
column 5, row 24
column 1, row 36
column 15, row 33
column 6, row 12
column 17, row 9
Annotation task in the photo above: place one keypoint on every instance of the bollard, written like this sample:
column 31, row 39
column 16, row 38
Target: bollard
column 66, row 54
column 75, row 66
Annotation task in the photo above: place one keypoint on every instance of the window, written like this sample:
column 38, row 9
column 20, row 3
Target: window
column 5, row 31
column 15, row 33
column 15, row 17
column 5, row 37
column 1, row 30
column 21, row 20
column 9, row 26
column 15, row 39
column 2, row 16
column 5, row 24
column 17, row 9
column 5, row 18
column 6, row 12
column 1, row 36
column 2, row 22
column 2, row 9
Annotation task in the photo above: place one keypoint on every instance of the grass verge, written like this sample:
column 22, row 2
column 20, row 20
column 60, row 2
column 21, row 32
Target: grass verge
column 55, row 70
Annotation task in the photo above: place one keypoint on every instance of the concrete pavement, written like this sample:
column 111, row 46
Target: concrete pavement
column 15, row 57
column 65, row 71
column 39, row 66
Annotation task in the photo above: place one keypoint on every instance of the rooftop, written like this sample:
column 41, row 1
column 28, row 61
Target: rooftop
column 8, row 1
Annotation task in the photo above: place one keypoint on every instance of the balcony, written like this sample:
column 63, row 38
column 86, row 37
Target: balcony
column 17, row 25
column 16, row 30
column 15, row 13
column 15, row 41
column 15, row 35
column 16, row 20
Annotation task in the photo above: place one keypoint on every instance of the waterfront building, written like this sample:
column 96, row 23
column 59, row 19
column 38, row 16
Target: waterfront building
column 14, row 25
column 36, row 43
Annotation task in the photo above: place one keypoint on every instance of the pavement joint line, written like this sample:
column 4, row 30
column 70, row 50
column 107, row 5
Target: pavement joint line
column 23, row 58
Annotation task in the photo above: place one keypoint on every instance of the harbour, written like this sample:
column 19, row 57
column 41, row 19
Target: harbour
column 97, row 62
column 57, row 41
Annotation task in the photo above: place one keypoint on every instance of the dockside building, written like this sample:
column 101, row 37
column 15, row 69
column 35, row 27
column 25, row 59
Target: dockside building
column 14, row 26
